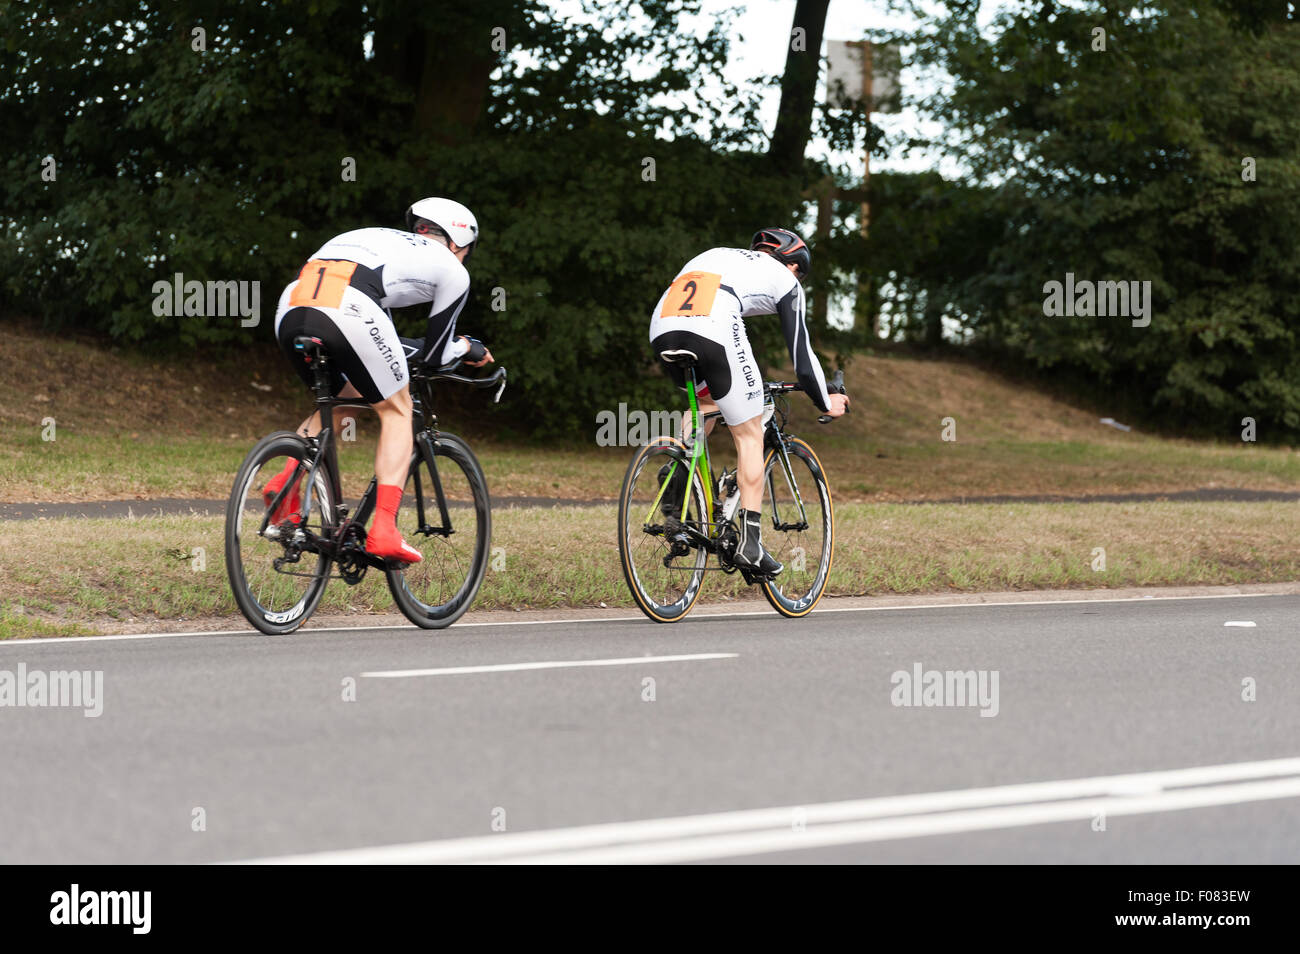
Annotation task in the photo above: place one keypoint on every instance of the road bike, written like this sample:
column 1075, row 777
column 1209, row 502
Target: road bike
column 278, row 568
column 665, row 543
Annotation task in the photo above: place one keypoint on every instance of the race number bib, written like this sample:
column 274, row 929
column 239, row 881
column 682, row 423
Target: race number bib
column 321, row 284
column 691, row 294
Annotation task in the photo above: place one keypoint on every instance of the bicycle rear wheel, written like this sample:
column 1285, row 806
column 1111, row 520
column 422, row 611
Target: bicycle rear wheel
column 664, row 591
column 436, row 592
column 803, row 538
column 276, row 579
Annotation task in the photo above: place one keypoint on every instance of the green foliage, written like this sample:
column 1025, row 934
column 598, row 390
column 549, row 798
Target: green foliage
column 584, row 252
column 1127, row 165
column 225, row 164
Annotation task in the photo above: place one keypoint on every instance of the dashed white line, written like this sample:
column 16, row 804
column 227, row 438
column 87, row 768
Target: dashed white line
column 558, row 664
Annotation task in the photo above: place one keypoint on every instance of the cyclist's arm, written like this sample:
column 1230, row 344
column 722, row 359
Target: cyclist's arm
column 441, row 346
column 807, row 368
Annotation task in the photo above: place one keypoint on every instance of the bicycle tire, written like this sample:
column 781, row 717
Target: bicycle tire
column 628, row 510
column 241, row 508
column 466, row 478
column 791, row 605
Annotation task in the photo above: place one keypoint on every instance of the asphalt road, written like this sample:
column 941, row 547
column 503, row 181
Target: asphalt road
column 771, row 740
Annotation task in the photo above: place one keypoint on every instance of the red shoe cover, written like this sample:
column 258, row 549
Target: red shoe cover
column 384, row 540
column 292, row 502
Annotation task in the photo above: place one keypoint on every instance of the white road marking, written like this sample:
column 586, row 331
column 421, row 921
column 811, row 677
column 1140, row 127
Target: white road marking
column 755, row 831
column 564, row 664
column 890, row 829
column 821, row 610
column 1240, row 622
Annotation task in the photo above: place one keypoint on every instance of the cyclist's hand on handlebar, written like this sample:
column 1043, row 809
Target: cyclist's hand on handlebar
column 839, row 404
column 478, row 354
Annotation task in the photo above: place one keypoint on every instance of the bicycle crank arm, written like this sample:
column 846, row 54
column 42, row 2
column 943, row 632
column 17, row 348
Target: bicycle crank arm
column 435, row 532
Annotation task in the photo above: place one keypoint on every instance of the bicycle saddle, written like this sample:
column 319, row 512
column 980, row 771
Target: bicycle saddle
column 679, row 356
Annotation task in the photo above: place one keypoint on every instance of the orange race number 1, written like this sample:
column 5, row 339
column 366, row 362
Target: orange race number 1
column 691, row 294
column 321, row 284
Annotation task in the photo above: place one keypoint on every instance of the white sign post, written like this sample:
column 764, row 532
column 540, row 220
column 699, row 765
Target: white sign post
column 857, row 73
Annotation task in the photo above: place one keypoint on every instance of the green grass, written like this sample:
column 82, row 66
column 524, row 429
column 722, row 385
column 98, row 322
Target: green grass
column 113, row 571
column 18, row 622
column 93, row 466
column 163, row 429
column 166, row 431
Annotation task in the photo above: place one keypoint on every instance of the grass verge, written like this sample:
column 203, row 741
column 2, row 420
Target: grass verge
column 64, row 577
column 126, row 426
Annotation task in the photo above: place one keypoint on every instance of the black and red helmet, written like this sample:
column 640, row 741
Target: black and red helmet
column 786, row 247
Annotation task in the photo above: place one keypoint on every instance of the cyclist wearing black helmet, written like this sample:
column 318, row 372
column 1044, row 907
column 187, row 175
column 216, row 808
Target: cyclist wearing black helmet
column 704, row 312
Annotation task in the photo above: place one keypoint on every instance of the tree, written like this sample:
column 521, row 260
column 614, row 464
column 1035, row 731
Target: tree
column 798, row 86
column 223, row 161
column 1160, row 153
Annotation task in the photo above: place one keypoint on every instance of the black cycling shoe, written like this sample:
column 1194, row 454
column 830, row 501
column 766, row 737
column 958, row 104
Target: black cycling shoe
column 670, row 505
column 750, row 554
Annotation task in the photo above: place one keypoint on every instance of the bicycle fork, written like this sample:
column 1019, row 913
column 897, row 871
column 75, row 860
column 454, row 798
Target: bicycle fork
column 424, row 446
column 792, row 482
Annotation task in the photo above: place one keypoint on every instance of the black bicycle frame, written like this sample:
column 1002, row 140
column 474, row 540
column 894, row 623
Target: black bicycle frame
column 323, row 451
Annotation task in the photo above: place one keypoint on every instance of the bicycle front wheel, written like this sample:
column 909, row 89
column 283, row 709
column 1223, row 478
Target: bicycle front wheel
column 454, row 541
column 801, row 529
column 276, row 577
column 665, row 583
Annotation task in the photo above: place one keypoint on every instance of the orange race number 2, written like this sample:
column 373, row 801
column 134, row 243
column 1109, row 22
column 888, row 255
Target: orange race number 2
column 691, row 294
column 321, row 284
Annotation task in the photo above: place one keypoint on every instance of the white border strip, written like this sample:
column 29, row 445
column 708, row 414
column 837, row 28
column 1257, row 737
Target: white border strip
column 41, row 641
column 774, row 829
column 889, row 829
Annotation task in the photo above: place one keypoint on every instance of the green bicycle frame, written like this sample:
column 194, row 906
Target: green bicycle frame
column 699, row 459
column 699, row 453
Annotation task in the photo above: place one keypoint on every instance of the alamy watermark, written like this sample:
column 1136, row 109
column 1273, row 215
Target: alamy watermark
column 1089, row 299
column 78, row 906
column 947, row 688
column 57, row 689
column 635, row 428
column 195, row 299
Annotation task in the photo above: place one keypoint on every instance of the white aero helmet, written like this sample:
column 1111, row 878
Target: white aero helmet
column 446, row 216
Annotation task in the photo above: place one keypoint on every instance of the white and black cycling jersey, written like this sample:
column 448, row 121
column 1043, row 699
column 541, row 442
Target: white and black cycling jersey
column 409, row 269
column 725, row 283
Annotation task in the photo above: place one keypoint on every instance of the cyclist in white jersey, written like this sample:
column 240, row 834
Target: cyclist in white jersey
column 341, row 296
column 704, row 312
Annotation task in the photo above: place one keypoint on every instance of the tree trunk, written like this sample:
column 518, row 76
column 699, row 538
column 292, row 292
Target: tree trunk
column 449, row 81
column 798, row 87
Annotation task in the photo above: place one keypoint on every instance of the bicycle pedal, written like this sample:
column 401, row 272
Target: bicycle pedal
column 754, row 576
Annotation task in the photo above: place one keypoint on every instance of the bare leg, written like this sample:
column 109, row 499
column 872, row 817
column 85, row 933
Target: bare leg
column 749, row 475
column 392, row 461
column 393, row 455
column 311, row 426
column 749, row 462
column 706, row 407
